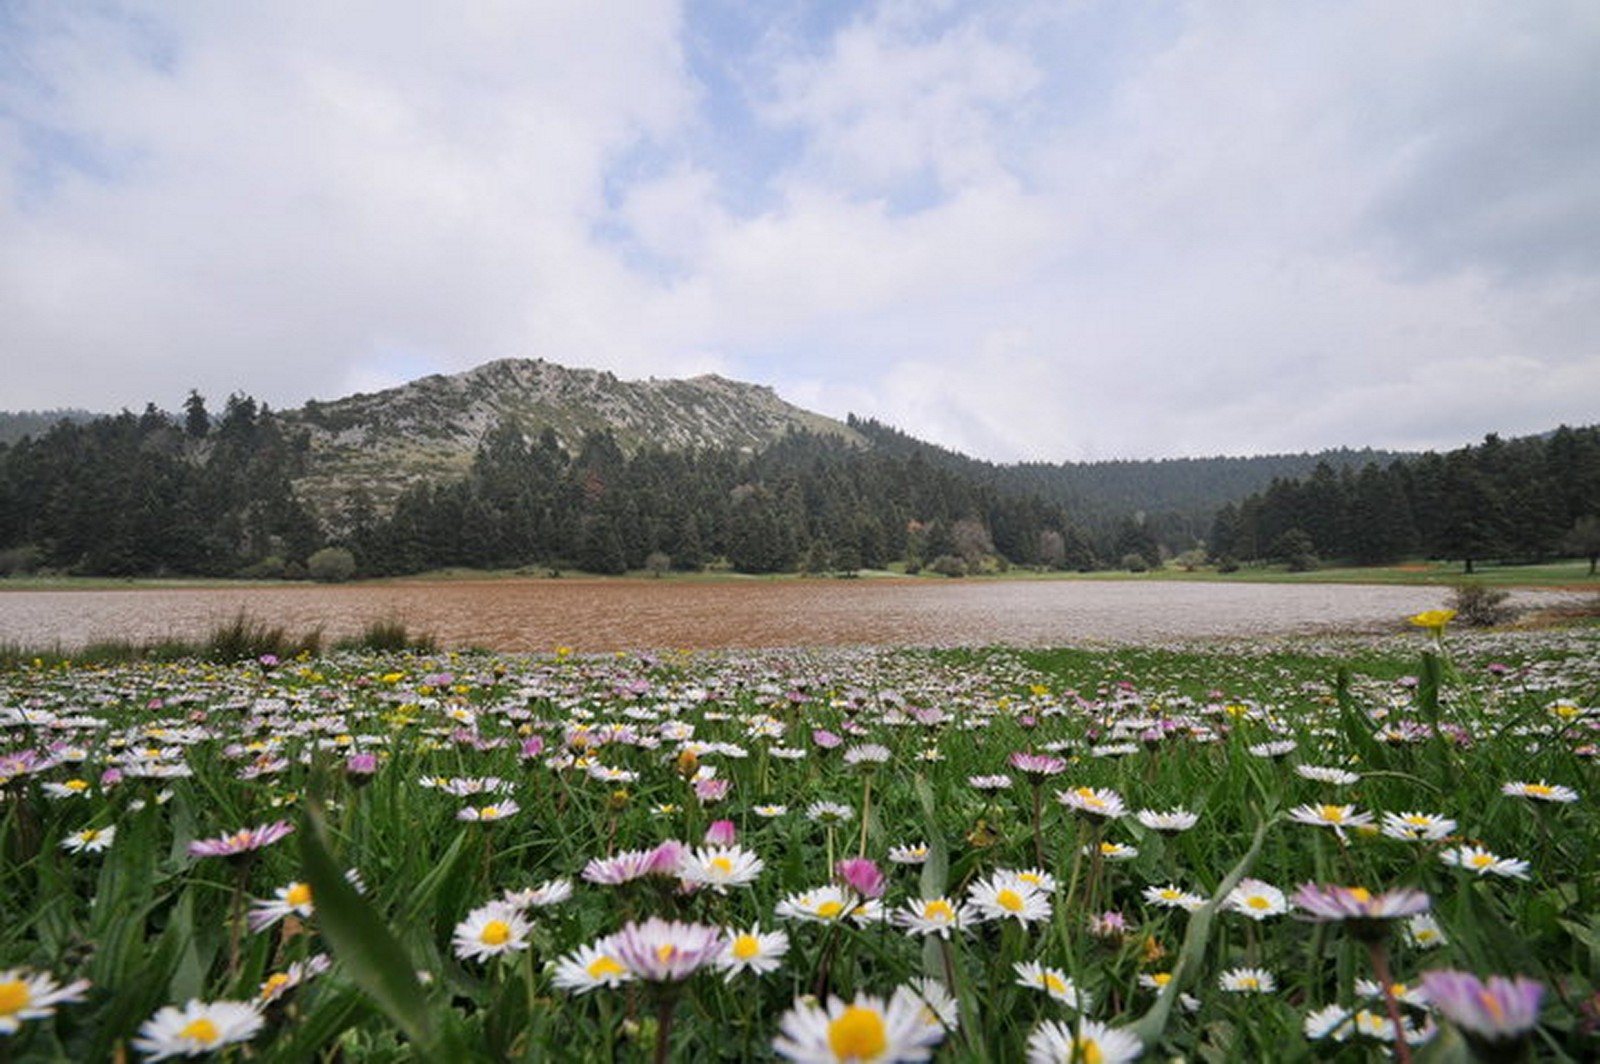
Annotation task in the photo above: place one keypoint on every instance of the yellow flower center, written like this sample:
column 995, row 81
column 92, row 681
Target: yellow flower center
column 1480, row 860
column 722, row 864
column 746, row 946
column 1361, row 894
column 858, row 1034
column 14, row 997
column 1089, row 1052
column 829, row 909
column 1492, row 1004
column 1333, row 814
column 1256, row 901
column 298, row 895
column 202, row 1031
column 275, row 982
column 604, row 966
column 665, row 952
column 1249, row 982
column 1538, row 790
column 489, row 812
column 938, row 909
column 496, row 933
column 1009, row 900
column 1161, row 978
column 1053, row 983
column 83, row 785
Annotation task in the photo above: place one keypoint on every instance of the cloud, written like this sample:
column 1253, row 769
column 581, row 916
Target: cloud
column 1020, row 229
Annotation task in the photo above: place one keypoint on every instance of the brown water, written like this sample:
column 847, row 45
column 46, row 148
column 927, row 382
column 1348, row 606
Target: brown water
column 596, row 615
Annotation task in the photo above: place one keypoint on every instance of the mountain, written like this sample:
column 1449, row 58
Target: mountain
column 429, row 429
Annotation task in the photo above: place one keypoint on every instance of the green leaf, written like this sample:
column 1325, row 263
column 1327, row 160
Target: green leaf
column 371, row 955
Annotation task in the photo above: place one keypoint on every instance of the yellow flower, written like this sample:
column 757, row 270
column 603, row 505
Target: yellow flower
column 1433, row 620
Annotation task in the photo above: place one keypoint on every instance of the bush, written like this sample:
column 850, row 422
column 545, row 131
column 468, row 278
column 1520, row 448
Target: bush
column 331, row 565
column 948, row 565
column 1135, row 562
column 1480, row 606
column 21, row 561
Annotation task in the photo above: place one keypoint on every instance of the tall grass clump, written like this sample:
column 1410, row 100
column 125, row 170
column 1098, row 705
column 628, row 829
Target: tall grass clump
column 389, row 636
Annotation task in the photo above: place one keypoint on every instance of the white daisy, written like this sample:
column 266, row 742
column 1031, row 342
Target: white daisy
column 720, row 867
column 1055, row 1042
column 1052, row 981
column 865, row 1029
column 26, row 995
column 755, row 951
column 490, row 930
column 199, row 1027
column 1004, row 895
column 591, row 966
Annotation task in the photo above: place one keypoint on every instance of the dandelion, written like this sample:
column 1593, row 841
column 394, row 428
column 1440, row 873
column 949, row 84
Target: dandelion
column 1054, row 982
column 935, row 916
column 26, row 995
column 1433, row 620
column 90, row 840
column 1540, row 792
column 1247, row 981
column 1256, row 899
column 754, row 951
column 589, row 967
column 865, row 1029
column 1417, row 827
column 490, row 931
column 1479, row 860
column 721, row 867
column 199, row 1027
column 1005, row 896
column 1055, row 1042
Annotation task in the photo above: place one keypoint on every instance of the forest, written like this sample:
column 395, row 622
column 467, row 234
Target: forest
column 214, row 495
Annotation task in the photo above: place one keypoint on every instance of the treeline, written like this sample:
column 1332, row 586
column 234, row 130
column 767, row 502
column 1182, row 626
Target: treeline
column 1521, row 500
column 202, row 495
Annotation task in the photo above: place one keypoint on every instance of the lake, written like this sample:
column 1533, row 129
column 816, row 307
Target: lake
column 600, row 615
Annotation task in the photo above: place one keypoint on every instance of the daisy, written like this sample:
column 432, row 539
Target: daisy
column 1364, row 913
column 1170, row 822
column 1479, row 860
column 1541, row 791
column 865, row 1029
column 1037, row 766
column 90, row 840
column 276, row 985
column 1417, row 827
column 939, row 1006
column 822, row 905
column 935, row 916
column 629, row 865
column 550, row 892
column 1004, row 895
column 1114, row 851
column 913, row 853
column 1423, row 932
column 1256, row 899
column 829, row 813
column 74, row 788
column 1498, row 1011
column 997, row 782
column 487, row 813
column 1322, row 774
column 293, row 899
column 1096, row 803
column 720, row 867
column 1248, row 981
column 1273, row 750
column 1414, row 996
column 666, row 951
column 199, row 1027
column 241, row 843
column 26, row 995
column 1173, row 897
column 1055, row 1042
column 491, row 930
column 752, row 951
column 1052, row 981
column 1039, row 878
column 591, row 966
column 867, row 756
column 770, row 812
column 1337, row 817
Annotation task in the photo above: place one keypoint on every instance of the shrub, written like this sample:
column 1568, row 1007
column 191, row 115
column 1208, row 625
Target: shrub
column 21, row 561
column 1135, row 562
column 331, row 565
column 1480, row 606
column 948, row 565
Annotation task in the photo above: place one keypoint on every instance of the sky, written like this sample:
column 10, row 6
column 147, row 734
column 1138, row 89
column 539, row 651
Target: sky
column 1068, row 230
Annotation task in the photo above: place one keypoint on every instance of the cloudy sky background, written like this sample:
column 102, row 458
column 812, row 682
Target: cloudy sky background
column 1055, row 230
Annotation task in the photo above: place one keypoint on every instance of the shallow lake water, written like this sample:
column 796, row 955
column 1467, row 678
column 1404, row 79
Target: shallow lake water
column 599, row 615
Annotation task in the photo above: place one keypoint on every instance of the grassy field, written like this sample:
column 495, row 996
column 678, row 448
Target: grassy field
column 988, row 855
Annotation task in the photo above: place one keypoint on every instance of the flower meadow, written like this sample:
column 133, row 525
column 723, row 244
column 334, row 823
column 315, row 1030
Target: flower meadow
column 1304, row 850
